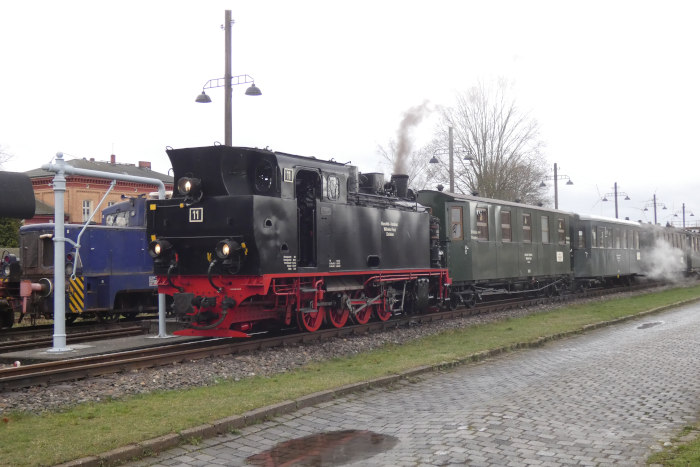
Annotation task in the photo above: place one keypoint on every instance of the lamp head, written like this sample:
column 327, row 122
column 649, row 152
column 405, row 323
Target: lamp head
column 203, row 98
column 253, row 90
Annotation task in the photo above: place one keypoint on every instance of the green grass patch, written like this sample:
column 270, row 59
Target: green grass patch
column 92, row 428
column 684, row 451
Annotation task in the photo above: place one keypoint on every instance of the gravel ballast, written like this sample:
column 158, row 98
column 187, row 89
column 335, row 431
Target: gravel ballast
column 211, row 370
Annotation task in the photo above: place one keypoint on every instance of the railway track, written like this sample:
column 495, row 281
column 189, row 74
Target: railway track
column 44, row 340
column 86, row 367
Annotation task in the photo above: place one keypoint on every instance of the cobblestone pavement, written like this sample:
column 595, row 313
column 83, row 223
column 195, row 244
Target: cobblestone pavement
column 608, row 397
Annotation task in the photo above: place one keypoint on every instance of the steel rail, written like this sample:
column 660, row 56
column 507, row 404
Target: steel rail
column 76, row 337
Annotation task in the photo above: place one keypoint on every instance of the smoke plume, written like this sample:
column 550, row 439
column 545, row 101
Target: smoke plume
column 664, row 262
column 404, row 146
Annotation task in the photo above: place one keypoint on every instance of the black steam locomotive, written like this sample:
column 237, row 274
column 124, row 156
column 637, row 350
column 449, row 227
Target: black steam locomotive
column 255, row 239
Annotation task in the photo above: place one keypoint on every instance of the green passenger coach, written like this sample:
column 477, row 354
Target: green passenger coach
column 498, row 247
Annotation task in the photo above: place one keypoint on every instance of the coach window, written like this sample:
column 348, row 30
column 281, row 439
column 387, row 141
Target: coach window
column 594, row 238
column 624, row 239
column 636, row 240
column 506, row 231
column 601, row 237
column 616, row 238
column 456, row 223
column 527, row 228
column 482, row 223
column 608, row 238
column 561, row 231
column 545, row 229
column 581, row 239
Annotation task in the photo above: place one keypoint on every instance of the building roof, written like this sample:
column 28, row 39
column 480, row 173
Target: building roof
column 143, row 170
column 43, row 209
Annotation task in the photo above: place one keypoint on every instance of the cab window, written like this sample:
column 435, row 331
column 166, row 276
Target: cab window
column 333, row 190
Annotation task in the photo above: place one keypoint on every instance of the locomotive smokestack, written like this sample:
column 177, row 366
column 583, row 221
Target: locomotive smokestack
column 400, row 181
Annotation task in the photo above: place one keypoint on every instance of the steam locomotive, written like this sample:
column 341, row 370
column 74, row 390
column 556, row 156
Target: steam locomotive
column 256, row 240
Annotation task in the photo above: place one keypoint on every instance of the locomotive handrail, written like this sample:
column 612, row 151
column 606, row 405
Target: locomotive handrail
column 76, row 244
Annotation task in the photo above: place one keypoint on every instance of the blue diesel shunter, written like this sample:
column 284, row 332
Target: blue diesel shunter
column 109, row 275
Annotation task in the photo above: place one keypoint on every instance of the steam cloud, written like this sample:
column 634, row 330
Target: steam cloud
column 664, row 262
column 411, row 118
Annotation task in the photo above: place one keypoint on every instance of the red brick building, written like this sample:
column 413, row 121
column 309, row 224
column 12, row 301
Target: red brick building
column 84, row 193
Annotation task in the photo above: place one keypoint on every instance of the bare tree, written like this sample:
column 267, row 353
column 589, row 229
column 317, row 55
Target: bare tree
column 503, row 143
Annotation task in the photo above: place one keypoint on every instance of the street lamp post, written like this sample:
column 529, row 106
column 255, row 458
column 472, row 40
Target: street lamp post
column 683, row 210
column 228, row 82
column 615, row 193
column 450, row 152
column 654, row 203
column 556, row 178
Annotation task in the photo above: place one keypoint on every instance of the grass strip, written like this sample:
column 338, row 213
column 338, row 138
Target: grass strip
column 92, row 428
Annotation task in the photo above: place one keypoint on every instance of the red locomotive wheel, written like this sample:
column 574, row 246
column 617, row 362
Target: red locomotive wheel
column 382, row 313
column 338, row 317
column 363, row 316
column 311, row 321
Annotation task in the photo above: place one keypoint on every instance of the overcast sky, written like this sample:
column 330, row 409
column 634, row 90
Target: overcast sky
column 614, row 85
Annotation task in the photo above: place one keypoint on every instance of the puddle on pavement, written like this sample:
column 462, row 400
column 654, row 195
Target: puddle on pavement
column 650, row 325
column 325, row 449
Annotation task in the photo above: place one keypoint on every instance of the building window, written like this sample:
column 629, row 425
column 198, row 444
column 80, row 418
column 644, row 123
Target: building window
column 545, row 229
column 456, row 223
column 506, row 231
column 87, row 209
column 527, row 228
column 561, row 231
column 482, row 223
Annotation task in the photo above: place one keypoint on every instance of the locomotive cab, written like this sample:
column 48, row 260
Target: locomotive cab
column 264, row 207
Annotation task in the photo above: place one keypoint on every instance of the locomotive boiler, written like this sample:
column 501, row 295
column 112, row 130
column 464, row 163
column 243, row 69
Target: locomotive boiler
column 255, row 239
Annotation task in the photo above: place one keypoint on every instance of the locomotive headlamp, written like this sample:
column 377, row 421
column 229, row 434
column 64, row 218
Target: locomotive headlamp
column 189, row 186
column 226, row 248
column 158, row 248
column 69, row 264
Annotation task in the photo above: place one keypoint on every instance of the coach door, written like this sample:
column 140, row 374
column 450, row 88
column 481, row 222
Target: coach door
column 308, row 190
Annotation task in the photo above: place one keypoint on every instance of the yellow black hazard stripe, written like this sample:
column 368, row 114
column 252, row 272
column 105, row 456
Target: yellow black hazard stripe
column 76, row 295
